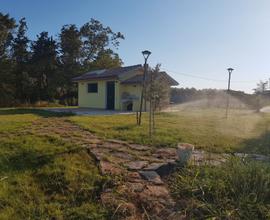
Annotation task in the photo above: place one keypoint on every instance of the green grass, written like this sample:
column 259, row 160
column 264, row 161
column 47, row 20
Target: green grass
column 243, row 131
column 14, row 122
column 42, row 177
column 12, row 119
column 234, row 190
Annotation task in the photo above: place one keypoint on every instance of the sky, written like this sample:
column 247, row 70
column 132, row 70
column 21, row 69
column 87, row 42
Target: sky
column 195, row 41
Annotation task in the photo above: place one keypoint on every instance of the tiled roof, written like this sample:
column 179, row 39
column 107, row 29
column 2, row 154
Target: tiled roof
column 171, row 81
column 162, row 75
column 134, row 80
column 106, row 73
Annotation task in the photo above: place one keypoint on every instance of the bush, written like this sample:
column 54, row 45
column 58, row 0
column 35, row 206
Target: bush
column 234, row 190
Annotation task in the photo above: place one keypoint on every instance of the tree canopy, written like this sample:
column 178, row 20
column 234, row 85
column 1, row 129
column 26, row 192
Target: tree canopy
column 41, row 69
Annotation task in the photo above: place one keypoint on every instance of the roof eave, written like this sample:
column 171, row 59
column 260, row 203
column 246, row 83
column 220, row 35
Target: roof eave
column 175, row 84
column 95, row 79
column 131, row 83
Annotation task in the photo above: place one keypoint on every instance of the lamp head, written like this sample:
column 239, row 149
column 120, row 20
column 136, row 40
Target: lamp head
column 230, row 70
column 146, row 54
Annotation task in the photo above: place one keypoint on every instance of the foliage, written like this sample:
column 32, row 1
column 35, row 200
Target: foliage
column 157, row 89
column 7, row 26
column 234, row 190
column 20, row 55
column 70, row 57
column 6, row 83
column 44, row 63
column 205, row 128
column 96, row 38
column 261, row 87
column 106, row 59
column 42, row 69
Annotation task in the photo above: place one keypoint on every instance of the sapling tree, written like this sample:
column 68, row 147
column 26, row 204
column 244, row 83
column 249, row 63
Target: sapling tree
column 157, row 94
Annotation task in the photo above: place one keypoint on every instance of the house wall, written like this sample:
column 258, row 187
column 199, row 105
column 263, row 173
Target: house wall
column 92, row 100
column 97, row 100
column 132, row 90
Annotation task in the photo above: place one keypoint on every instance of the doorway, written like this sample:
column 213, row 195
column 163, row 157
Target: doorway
column 110, row 95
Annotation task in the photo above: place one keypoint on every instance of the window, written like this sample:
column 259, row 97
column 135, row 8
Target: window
column 92, row 88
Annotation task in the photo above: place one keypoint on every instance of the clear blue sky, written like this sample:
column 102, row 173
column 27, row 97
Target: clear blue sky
column 196, row 37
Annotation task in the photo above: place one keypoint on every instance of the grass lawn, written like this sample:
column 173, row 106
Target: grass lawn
column 243, row 131
column 13, row 122
column 43, row 177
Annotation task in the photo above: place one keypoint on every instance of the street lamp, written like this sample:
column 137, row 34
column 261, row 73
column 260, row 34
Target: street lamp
column 146, row 54
column 228, row 90
column 230, row 73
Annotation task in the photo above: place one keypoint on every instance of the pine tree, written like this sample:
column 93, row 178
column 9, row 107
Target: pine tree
column 7, row 27
column 20, row 55
column 45, row 64
column 70, row 49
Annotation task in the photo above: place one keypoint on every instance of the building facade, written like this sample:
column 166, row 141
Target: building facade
column 113, row 89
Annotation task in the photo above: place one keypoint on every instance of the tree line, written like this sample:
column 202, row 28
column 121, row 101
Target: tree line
column 253, row 101
column 41, row 69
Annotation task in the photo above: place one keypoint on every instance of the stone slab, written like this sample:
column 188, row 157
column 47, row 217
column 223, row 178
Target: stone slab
column 162, row 169
column 109, row 168
column 136, row 165
column 151, row 176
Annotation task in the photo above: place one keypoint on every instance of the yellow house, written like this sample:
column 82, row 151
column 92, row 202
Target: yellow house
column 113, row 89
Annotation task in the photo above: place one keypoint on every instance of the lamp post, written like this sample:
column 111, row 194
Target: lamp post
column 228, row 90
column 229, row 81
column 146, row 54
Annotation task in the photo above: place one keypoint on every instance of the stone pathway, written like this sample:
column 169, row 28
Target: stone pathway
column 139, row 191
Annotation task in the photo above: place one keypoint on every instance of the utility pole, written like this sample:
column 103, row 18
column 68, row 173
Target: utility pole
column 146, row 54
column 228, row 91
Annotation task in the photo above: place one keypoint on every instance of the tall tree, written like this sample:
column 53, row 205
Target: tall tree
column 70, row 45
column 20, row 56
column 70, row 50
column 7, row 27
column 44, row 65
column 97, row 38
column 106, row 59
column 83, row 50
column 43, row 70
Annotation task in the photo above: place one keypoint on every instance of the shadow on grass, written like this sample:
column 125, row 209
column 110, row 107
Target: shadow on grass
column 39, row 112
column 259, row 145
column 124, row 127
column 24, row 160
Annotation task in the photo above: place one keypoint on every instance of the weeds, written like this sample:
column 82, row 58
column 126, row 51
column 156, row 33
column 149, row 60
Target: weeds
column 235, row 190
